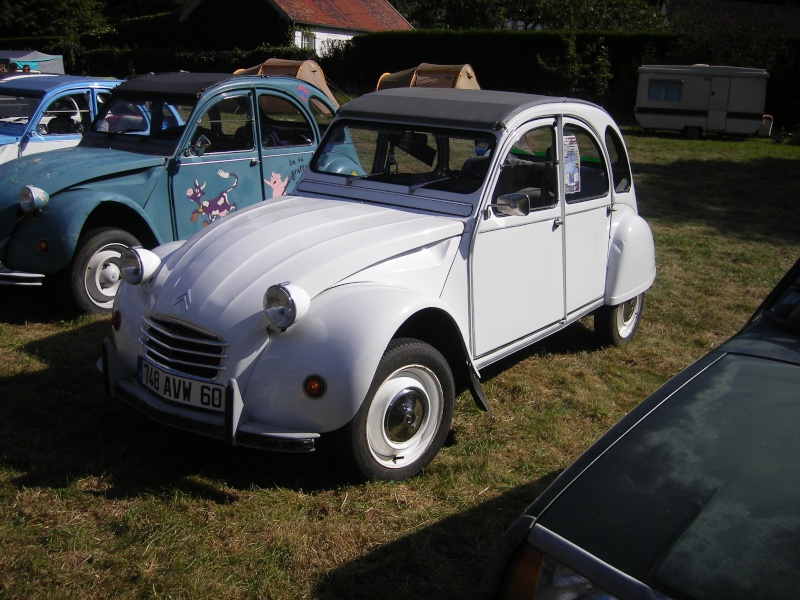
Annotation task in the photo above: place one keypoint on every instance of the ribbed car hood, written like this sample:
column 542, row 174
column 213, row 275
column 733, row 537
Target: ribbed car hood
column 223, row 272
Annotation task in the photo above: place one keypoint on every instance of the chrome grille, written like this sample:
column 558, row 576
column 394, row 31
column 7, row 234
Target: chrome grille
column 183, row 349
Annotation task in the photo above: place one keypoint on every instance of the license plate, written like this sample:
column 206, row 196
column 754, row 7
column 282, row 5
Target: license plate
column 181, row 390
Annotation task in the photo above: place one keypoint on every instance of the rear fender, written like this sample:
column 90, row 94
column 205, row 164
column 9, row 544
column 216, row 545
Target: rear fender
column 631, row 258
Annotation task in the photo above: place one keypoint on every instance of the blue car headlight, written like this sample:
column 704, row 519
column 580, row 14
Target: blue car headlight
column 32, row 199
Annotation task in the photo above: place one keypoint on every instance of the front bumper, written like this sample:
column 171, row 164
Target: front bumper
column 19, row 278
column 226, row 425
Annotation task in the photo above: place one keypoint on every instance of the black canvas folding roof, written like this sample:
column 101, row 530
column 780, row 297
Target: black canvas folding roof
column 171, row 84
column 472, row 109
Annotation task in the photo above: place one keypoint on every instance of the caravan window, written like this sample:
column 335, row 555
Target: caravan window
column 664, row 90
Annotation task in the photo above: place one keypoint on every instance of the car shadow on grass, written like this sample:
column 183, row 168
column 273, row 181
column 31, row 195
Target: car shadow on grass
column 35, row 304
column 58, row 426
column 444, row 560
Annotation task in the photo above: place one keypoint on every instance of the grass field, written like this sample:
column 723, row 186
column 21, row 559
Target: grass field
column 97, row 501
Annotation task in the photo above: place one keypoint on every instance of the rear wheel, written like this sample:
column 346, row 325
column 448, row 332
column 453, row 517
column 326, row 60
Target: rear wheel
column 94, row 273
column 407, row 413
column 615, row 325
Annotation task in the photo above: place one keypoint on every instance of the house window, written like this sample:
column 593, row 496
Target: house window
column 664, row 90
column 307, row 40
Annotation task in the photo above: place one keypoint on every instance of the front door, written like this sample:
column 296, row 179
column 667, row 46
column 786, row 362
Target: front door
column 222, row 172
column 517, row 267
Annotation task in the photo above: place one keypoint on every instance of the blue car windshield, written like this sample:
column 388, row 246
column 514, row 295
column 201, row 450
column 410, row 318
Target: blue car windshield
column 145, row 122
column 15, row 111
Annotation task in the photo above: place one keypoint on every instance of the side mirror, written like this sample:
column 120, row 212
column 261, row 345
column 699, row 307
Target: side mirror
column 512, row 205
column 199, row 147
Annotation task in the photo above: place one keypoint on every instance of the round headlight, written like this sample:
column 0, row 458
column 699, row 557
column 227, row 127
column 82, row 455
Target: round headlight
column 32, row 199
column 137, row 265
column 284, row 304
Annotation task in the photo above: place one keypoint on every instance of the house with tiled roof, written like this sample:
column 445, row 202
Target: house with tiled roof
column 318, row 23
column 312, row 24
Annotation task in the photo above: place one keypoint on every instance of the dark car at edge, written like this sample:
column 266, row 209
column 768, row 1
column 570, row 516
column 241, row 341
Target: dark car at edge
column 694, row 494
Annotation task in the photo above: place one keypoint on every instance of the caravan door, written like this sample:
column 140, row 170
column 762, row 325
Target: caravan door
column 718, row 103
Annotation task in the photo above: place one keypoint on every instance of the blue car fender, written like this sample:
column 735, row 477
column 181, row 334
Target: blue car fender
column 341, row 339
column 60, row 225
column 631, row 258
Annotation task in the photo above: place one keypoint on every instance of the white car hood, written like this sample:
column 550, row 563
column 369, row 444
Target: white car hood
column 220, row 275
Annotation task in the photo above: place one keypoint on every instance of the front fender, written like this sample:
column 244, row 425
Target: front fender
column 60, row 223
column 631, row 258
column 342, row 340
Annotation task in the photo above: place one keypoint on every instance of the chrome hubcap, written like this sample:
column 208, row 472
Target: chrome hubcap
column 405, row 415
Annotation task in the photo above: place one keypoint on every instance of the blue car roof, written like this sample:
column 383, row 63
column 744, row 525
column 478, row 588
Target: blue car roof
column 41, row 84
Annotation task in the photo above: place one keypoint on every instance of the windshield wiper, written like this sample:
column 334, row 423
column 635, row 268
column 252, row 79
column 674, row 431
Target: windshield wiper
column 416, row 186
column 351, row 178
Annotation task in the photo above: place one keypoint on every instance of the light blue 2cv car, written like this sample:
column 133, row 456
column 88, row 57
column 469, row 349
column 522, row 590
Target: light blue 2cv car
column 47, row 112
column 168, row 155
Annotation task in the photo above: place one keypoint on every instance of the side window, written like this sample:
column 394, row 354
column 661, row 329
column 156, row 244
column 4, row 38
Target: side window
column 529, row 168
column 620, row 167
column 585, row 171
column 282, row 123
column 664, row 90
column 67, row 114
column 321, row 113
column 228, row 125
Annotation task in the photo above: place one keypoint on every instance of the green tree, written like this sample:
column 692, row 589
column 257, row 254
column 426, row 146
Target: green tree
column 584, row 15
column 452, row 14
column 722, row 33
column 575, row 15
column 58, row 18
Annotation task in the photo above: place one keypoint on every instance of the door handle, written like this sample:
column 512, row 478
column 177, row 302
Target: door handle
column 557, row 223
column 253, row 162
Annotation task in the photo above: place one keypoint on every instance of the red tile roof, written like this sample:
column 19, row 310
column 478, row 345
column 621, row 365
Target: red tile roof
column 358, row 15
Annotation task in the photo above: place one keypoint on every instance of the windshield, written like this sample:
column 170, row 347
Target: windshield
column 152, row 123
column 16, row 110
column 416, row 158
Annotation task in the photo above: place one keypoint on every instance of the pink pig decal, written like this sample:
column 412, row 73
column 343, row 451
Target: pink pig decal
column 278, row 186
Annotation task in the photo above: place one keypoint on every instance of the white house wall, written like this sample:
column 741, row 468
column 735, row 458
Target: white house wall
column 321, row 39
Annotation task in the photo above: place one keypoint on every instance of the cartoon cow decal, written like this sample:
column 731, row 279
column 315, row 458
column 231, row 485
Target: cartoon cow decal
column 219, row 206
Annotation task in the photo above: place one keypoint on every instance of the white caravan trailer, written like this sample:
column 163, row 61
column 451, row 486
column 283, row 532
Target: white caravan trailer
column 701, row 98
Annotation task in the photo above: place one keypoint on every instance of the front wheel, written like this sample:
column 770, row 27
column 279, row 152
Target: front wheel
column 94, row 272
column 615, row 325
column 407, row 413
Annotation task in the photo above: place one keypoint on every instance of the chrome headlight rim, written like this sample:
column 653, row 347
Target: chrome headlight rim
column 32, row 199
column 285, row 304
column 138, row 265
